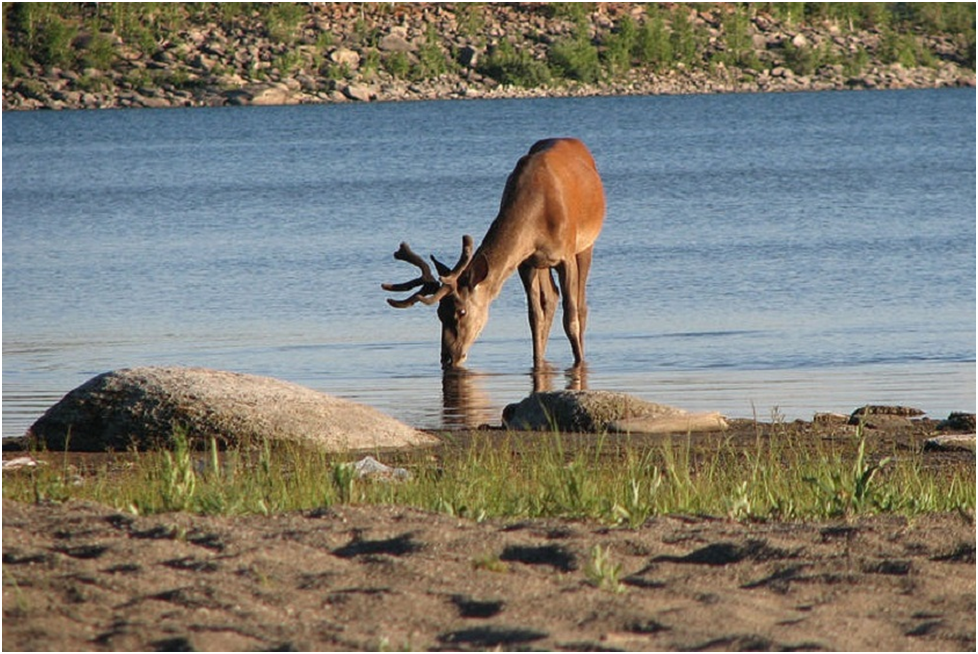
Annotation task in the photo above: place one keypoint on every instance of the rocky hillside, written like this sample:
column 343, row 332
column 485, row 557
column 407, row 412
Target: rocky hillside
column 102, row 55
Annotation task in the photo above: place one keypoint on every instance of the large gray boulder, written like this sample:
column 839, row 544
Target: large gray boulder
column 141, row 407
column 598, row 411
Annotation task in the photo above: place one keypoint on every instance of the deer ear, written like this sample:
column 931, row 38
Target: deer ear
column 477, row 271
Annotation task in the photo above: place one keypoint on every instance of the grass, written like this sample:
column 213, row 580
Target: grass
column 506, row 475
column 602, row 572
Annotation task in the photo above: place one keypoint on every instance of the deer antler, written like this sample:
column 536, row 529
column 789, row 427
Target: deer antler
column 433, row 288
column 449, row 275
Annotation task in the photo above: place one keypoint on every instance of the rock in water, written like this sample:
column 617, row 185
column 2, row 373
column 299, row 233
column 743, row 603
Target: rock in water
column 141, row 407
column 596, row 411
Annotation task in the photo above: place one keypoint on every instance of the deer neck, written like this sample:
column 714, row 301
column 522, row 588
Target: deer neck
column 504, row 249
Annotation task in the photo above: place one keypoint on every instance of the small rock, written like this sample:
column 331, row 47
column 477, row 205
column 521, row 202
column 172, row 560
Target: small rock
column 958, row 421
column 204, row 63
column 237, row 97
column 345, row 56
column 371, row 467
column 830, row 419
column 468, row 56
column 21, row 462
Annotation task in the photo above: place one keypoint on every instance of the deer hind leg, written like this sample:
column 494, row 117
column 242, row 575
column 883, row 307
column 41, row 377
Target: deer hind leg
column 541, row 302
column 583, row 268
column 570, row 289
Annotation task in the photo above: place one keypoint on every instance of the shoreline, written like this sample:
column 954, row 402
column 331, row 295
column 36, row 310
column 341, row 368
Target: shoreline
column 891, row 78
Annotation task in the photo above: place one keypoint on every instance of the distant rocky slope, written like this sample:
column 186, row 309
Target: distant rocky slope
column 108, row 55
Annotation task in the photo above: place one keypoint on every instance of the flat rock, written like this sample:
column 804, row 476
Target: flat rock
column 597, row 411
column 951, row 443
column 262, row 95
column 875, row 416
column 886, row 410
column 395, row 43
column 141, row 407
column 361, row 92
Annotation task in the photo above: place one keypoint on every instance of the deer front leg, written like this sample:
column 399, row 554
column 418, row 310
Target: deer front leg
column 541, row 304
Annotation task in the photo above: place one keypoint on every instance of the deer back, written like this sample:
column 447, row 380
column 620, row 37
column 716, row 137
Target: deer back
column 552, row 208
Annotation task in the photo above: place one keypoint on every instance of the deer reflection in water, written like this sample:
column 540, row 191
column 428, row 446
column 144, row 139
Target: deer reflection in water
column 467, row 405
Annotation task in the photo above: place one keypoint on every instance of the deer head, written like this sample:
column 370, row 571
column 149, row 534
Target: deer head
column 462, row 308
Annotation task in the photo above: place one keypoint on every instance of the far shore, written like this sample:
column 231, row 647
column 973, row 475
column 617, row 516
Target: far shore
column 75, row 56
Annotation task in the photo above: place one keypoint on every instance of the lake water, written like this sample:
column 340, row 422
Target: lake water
column 762, row 254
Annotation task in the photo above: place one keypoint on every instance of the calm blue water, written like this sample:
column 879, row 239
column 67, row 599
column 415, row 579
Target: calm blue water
column 791, row 253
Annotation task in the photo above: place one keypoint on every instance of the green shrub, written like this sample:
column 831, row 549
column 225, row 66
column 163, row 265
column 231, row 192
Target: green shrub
column 904, row 49
column 366, row 35
column 15, row 60
column 575, row 58
column 288, row 62
column 508, row 66
column 370, row 64
column 100, row 53
column 334, row 71
column 55, row 43
column 619, row 46
column 738, row 44
column 32, row 88
column 432, row 60
column 93, row 83
column 687, row 42
column 855, row 64
column 800, row 59
column 138, row 78
column 789, row 13
column 284, row 21
column 397, row 64
column 653, row 43
column 324, row 42
column 129, row 22
column 470, row 20
column 575, row 11
column 24, row 22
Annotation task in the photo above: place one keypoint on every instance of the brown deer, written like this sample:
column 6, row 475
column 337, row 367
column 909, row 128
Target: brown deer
column 549, row 217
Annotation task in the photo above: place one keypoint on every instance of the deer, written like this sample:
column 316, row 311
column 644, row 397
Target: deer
column 550, row 215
